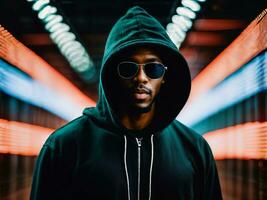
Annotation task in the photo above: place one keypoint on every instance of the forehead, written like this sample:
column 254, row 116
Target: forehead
column 144, row 55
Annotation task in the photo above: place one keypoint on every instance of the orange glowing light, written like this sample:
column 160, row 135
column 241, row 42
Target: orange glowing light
column 22, row 138
column 244, row 141
column 248, row 44
column 22, row 57
column 218, row 24
column 205, row 39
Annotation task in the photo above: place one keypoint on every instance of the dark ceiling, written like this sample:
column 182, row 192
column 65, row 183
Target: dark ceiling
column 216, row 26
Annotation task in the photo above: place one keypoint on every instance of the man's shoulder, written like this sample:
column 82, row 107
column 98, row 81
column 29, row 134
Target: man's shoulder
column 185, row 130
column 190, row 135
column 193, row 140
column 68, row 132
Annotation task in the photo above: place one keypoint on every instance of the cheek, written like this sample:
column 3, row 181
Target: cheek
column 125, row 88
column 125, row 84
column 156, row 86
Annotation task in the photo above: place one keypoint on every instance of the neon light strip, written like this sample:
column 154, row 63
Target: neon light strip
column 20, row 56
column 19, row 85
column 244, row 141
column 248, row 81
column 218, row 24
column 22, row 138
column 246, row 46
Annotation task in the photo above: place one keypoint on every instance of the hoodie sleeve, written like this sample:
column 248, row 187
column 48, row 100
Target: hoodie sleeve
column 212, row 189
column 45, row 177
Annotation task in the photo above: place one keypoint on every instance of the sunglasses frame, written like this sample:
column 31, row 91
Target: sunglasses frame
column 140, row 65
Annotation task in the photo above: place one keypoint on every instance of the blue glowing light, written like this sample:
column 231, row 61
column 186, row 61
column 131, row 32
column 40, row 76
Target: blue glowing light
column 19, row 85
column 245, row 82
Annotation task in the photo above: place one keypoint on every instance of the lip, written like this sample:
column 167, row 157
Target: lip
column 140, row 95
column 141, row 91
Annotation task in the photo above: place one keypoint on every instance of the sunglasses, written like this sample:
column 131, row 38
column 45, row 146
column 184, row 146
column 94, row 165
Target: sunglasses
column 153, row 70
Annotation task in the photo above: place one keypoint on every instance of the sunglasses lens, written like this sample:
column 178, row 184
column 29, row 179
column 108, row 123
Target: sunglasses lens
column 154, row 70
column 127, row 69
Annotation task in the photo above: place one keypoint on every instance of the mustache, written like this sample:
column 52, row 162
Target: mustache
column 142, row 88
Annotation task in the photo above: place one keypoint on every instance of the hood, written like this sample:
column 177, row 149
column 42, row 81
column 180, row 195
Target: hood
column 138, row 28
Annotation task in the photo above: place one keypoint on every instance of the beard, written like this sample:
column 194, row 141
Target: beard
column 130, row 105
column 127, row 103
column 140, row 109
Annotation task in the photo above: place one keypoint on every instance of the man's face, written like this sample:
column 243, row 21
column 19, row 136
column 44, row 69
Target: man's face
column 140, row 91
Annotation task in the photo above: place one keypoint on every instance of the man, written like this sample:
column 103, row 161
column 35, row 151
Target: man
column 130, row 146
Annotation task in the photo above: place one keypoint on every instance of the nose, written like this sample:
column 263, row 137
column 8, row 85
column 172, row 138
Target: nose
column 141, row 75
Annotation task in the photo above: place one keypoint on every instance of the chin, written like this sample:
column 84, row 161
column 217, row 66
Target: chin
column 142, row 108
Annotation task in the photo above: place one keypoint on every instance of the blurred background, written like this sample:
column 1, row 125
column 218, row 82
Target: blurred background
column 50, row 56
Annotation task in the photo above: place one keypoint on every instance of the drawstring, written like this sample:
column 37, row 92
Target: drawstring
column 125, row 165
column 151, row 165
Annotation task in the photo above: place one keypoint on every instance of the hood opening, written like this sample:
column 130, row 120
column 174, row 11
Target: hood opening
column 136, row 29
column 174, row 92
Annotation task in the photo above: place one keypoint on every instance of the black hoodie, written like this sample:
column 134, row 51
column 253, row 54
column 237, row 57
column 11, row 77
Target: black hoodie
column 96, row 157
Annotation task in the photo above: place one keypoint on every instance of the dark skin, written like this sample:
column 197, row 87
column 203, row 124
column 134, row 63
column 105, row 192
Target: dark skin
column 141, row 92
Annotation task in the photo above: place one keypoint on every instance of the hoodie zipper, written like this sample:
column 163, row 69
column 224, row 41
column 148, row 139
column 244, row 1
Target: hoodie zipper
column 139, row 144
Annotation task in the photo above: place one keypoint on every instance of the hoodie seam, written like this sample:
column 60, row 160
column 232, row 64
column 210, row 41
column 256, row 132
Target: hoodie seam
column 138, row 23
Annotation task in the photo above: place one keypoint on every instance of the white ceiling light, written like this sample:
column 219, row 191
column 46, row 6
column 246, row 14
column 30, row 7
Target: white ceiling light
column 183, row 11
column 182, row 22
column 74, row 45
column 55, row 19
column 38, row 5
column 77, row 59
column 64, row 37
column 180, row 35
column 176, row 32
column 176, row 39
column 74, row 54
column 176, row 19
column 66, row 41
column 46, row 11
column 59, row 27
column 81, row 61
column 66, row 45
column 193, row 5
column 49, row 18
